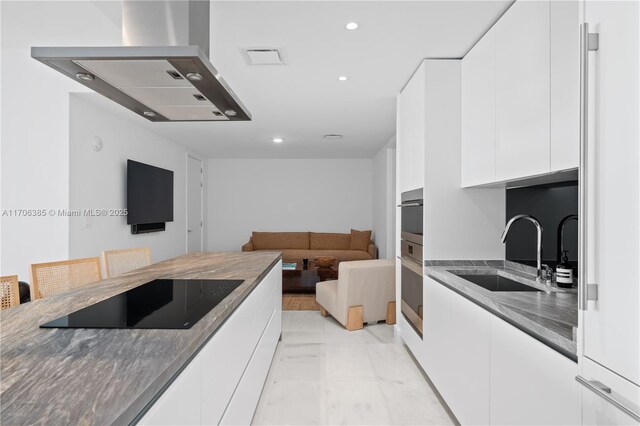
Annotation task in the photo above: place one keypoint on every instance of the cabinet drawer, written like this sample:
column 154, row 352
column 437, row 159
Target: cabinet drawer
column 527, row 375
column 245, row 399
column 180, row 403
column 596, row 410
column 227, row 354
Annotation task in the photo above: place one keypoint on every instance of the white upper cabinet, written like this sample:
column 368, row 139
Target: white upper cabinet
column 565, row 84
column 478, row 113
column 410, row 132
column 522, row 91
column 520, row 95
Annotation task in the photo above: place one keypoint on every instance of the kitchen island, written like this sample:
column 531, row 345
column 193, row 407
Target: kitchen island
column 123, row 376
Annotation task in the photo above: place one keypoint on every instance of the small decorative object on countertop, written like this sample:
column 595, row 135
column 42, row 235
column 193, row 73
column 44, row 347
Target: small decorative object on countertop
column 564, row 272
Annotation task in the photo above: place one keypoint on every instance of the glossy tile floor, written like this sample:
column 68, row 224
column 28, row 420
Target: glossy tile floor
column 324, row 374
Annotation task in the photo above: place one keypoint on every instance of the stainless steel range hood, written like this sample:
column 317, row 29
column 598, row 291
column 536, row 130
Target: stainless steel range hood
column 161, row 72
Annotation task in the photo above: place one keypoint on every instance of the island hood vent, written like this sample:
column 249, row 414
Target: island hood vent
column 162, row 71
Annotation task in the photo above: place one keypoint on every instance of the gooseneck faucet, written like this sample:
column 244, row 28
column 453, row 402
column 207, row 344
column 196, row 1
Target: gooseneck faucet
column 560, row 239
column 539, row 232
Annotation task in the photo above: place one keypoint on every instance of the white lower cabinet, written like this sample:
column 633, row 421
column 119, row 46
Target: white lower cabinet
column 530, row 382
column 456, row 340
column 222, row 383
column 596, row 410
column 490, row 372
column 180, row 403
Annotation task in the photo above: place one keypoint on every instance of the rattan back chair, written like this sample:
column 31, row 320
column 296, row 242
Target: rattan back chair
column 118, row 262
column 52, row 278
column 9, row 291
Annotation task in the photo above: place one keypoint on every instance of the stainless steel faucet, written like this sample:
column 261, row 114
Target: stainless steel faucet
column 539, row 232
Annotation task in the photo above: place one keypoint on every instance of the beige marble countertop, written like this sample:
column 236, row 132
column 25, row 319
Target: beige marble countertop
column 108, row 376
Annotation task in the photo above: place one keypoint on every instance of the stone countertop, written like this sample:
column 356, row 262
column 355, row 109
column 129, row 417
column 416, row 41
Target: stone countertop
column 108, row 376
column 551, row 316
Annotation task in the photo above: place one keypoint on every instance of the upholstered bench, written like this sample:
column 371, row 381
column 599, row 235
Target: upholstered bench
column 365, row 291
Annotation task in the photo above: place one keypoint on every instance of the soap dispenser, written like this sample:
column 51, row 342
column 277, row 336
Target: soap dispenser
column 564, row 272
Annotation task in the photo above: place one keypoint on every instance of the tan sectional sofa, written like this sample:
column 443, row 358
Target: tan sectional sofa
column 296, row 246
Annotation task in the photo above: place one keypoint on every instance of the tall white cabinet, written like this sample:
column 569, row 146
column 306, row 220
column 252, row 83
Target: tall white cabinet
column 410, row 134
column 611, row 324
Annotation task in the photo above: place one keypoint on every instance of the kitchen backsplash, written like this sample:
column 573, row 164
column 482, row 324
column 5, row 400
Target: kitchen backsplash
column 549, row 204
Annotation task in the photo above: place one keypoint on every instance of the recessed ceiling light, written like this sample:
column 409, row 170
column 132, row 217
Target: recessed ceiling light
column 343, row 78
column 230, row 113
column 85, row 76
column 277, row 140
column 194, row 76
column 352, row 26
column 149, row 113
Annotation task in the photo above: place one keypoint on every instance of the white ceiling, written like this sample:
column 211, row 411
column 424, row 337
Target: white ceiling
column 303, row 100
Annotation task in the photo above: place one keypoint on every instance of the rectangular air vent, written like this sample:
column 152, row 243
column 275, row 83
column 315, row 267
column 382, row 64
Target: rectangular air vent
column 263, row 56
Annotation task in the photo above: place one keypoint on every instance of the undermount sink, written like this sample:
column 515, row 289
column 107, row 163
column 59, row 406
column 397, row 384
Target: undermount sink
column 493, row 282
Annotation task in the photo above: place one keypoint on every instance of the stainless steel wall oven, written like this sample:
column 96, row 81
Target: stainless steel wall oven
column 411, row 225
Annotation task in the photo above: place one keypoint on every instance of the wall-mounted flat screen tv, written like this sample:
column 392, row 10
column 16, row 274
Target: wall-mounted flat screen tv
column 149, row 194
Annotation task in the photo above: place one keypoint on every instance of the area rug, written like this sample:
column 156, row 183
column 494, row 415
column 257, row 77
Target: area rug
column 299, row 302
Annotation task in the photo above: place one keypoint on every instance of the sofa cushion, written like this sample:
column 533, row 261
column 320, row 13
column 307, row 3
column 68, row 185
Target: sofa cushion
column 280, row 240
column 294, row 255
column 341, row 255
column 360, row 240
column 329, row 241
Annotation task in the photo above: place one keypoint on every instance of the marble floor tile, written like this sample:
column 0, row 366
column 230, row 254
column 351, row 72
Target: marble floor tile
column 305, row 321
column 301, row 361
column 348, row 362
column 413, row 403
column 380, row 333
column 303, row 337
column 356, row 403
column 323, row 374
column 393, row 362
column 292, row 402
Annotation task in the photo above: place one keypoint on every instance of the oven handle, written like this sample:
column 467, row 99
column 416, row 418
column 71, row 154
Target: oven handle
column 416, row 204
column 412, row 264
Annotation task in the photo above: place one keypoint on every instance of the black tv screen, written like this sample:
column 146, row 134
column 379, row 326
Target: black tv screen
column 149, row 194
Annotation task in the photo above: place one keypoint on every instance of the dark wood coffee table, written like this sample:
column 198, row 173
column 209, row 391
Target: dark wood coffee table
column 304, row 281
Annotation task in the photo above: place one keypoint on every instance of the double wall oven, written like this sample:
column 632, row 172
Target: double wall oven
column 411, row 243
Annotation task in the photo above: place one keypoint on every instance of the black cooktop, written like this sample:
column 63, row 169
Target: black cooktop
column 160, row 304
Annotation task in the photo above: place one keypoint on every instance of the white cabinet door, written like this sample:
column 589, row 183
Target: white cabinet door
column 596, row 410
column 565, row 84
column 478, row 113
column 411, row 132
column 530, row 382
column 612, row 323
column 456, row 340
column 522, row 91
column 180, row 403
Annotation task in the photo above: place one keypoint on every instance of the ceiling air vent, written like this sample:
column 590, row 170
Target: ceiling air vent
column 263, row 56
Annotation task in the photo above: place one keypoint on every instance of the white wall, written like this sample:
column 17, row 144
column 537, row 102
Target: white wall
column 98, row 181
column 35, row 125
column 285, row 195
column 384, row 200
